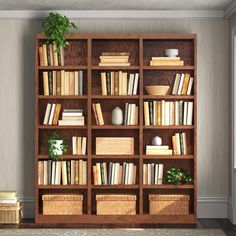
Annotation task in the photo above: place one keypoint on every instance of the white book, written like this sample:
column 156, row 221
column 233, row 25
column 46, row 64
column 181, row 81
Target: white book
column 156, row 174
column 84, row 181
column 176, row 84
column 125, row 83
column 171, row 118
column 58, row 173
column 8, row 200
column 53, row 172
column 131, row 84
column 163, row 112
column 47, row 113
column 176, row 113
column 74, row 145
column 185, row 113
column 190, row 113
column 76, row 83
column 117, row 168
column 99, row 178
column 105, row 172
column 129, row 114
column 81, row 82
column 149, row 173
column 113, row 173
column 64, row 173
column 178, row 150
column 67, row 82
column 84, row 144
column 167, row 113
column 144, row 173
column 160, row 174
column 52, row 114
column 165, row 147
column 130, row 177
column 180, row 84
column 127, row 173
column 135, row 89
column 74, row 114
column 184, row 143
column 132, row 114
column 71, row 122
column 45, row 172
column 190, row 85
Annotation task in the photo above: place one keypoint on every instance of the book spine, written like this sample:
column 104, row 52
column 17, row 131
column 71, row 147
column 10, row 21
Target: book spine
column 116, row 83
column 48, row 54
column 108, row 83
column 68, row 167
column 81, row 82
column 151, row 112
column 58, row 83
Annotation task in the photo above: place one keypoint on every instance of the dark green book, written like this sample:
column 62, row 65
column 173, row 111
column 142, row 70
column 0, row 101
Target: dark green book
column 48, row 54
column 68, row 168
column 59, row 58
column 102, row 174
column 151, row 112
column 50, row 82
column 108, row 82
column 181, row 143
column 49, row 172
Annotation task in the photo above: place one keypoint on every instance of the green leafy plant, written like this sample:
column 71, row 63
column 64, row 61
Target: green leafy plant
column 53, row 147
column 55, row 26
column 178, row 176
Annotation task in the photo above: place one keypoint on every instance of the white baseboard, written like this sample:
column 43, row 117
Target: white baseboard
column 208, row 207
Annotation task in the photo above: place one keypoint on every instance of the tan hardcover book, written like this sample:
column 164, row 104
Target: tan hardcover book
column 185, row 84
column 184, row 143
column 55, row 55
column 144, row 174
column 159, row 152
column 165, row 58
column 56, row 114
column 74, row 145
column 76, row 172
column 190, row 113
column 64, row 173
column 190, row 85
column 80, row 172
column 41, row 56
column 72, row 171
column 72, row 122
column 40, row 173
column 45, row 58
column 95, row 113
column 136, row 115
column 54, row 83
column 51, row 54
column 45, row 83
column 176, row 112
column 178, row 150
column 114, row 64
column 47, row 113
column 124, row 54
column 167, row 113
column 99, row 114
column 114, row 60
column 84, row 145
column 120, row 174
column 62, row 55
column 45, row 172
column 99, row 177
column 76, row 83
column 174, row 145
column 104, row 83
column 84, row 171
column 120, row 83
column 176, row 84
column 172, row 113
column 163, row 105
column 132, row 117
column 124, row 83
column 112, row 76
column 53, row 173
column 95, row 181
column 72, row 83
column 166, row 63
column 116, row 83
column 134, row 174
column 159, row 115
column 146, row 114
column 154, row 112
column 79, row 142
column 52, row 111
column 67, row 82
column 104, row 164
column 62, row 82
column 58, row 83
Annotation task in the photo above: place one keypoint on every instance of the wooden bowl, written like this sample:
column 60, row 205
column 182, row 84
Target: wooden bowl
column 157, row 89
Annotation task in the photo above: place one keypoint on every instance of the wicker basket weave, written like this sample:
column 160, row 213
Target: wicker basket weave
column 10, row 213
column 66, row 204
column 169, row 204
column 116, row 204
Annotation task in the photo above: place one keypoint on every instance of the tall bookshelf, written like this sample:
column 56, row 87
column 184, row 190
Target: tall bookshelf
column 83, row 54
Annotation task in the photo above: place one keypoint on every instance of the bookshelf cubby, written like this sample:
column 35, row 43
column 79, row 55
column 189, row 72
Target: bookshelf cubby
column 83, row 54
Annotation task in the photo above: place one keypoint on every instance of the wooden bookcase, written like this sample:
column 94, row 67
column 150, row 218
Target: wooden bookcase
column 83, row 54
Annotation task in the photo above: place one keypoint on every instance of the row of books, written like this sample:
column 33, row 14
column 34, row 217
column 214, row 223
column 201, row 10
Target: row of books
column 79, row 145
column 50, row 56
column 98, row 113
column 63, row 82
column 114, row 59
column 131, row 114
column 114, row 173
column 62, row 172
column 52, row 114
column 152, row 174
column 158, row 150
column 179, row 144
column 72, row 117
column 117, row 83
column 166, row 61
column 8, row 197
column 168, row 113
column 183, row 84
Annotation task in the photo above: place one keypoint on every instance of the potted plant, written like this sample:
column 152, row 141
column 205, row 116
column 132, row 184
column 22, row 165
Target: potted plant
column 56, row 146
column 55, row 26
column 178, row 176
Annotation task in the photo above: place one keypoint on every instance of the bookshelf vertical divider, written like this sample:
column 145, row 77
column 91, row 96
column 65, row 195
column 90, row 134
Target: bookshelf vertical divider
column 86, row 49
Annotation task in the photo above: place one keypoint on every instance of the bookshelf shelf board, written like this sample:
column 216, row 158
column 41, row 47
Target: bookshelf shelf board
column 132, row 157
column 66, row 156
column 62, row 97
column 169, row 186
column 168, row 68
column 168, row 127
column 114, row 97
column 62, row 67
column 169, row 97
column 62, row 186
column 135, row 186
column 62, row 127
column 115, row 68
column 115, row 127
column 168, row 157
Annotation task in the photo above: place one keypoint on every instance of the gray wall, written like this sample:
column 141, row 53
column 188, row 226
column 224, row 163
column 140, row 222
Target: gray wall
column 17, row 97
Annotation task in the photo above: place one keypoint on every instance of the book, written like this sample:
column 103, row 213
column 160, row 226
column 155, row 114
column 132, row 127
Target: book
column 83, row 146
column 155, row 147
column 159, row 113
column 160, row 174
column 8, row 194
column 135, row 88
column 166, row 63
column 58, row 173
column 165, row 58
column 146, row 114
column 99, row 113
column 176, row 84
column 67, row 83
column 185, row 113
column 190, row 114
column 74, row 145
column 163, row 112
column 124, row 83
column 50, row 82
column 47, row 113
column 72, row 171
column 58, row 89
column 108, row 83
column 81, row 82
column 64, row 173
column 51, row 54
column 72, row 83
column 76, row 76
column 95, row 113
column 76, row 172
column 117, row 54
column 120, row 76
column 55, row 56
column 54, row 83
column 53, row 173
column 112, row 83
column 41, row 55
column 45, row 83
column 116, row 83
column 103, row 83
column 78, row 145
column 71, row 122
column 178, row 151
column 56, row 114
column 84, row 177
column 185, row 84
column 190, row 85
column 68, row 170
column 40, row 173
column 62, row 56
column 174, row 145
column 81, row 172
column 45, row 59
column 114, row 64
column 131, row 84
column 95, row 181
column 48, row 55
column 151, row 113
column 180, row 84
column 159, row 152
column 184, row 143
column 51, row 114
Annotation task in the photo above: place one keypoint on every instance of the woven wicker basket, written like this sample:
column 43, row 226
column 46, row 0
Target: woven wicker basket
column 66, row 204
column 169, row 204
column 116, row 204
column 10, row 213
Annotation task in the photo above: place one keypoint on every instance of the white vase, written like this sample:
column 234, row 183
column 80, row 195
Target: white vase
column 117, row 116
column 58, row 146
column 157, row 141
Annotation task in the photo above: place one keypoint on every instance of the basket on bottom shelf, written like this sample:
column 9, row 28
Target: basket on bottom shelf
column 169, row 204
column 116, row 204
column 10, row 213
column 62, row 204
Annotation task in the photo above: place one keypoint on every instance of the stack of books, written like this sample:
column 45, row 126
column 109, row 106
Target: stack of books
column 48, row 55
column 8, row 197
column 114, row 173
column 166, row 61
column 119, row 83
column 62, row 172
column 72, row 117
column 183, row 84
column 98, row 113
column 158, row 150
column 131, row 114
column 114, row 59
column 179, row 144
column 168, row 113
column 152, row 174
column 63, row 83
column 52, row 114
column 79, row 145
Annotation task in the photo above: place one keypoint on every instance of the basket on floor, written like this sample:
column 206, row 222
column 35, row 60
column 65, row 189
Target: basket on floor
column 10, row 213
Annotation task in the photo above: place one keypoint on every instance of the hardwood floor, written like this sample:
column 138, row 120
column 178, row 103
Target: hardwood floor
column 223, row 224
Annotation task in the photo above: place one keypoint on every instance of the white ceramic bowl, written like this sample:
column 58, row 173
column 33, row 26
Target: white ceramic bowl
column 171, row 52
